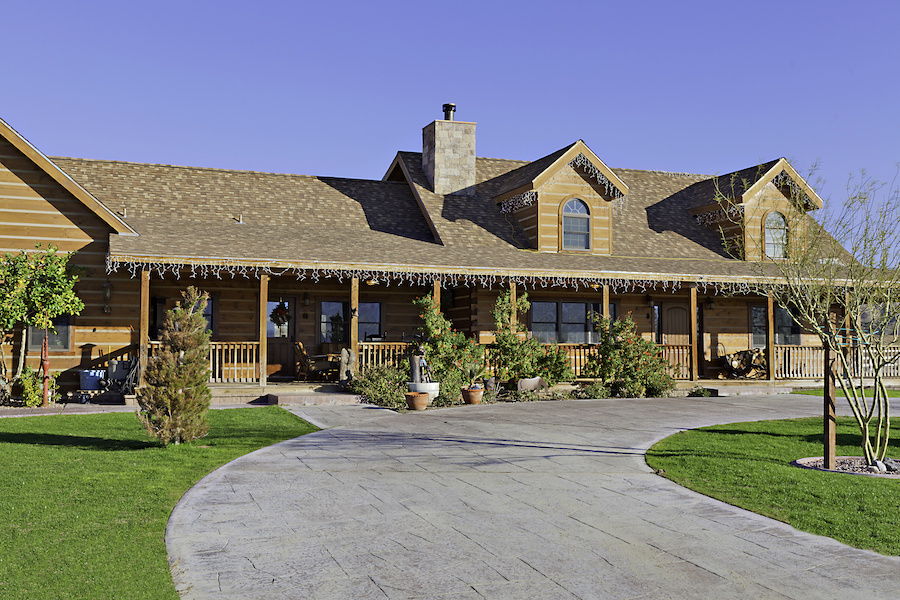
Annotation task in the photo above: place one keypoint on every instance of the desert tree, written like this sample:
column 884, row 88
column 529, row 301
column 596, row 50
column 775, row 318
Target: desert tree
column 175, row 398
column 837, row 272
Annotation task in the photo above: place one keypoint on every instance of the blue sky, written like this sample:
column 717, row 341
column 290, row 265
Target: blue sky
column 337, row 88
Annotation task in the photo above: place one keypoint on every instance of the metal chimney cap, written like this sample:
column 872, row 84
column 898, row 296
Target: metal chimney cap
column 449, row 109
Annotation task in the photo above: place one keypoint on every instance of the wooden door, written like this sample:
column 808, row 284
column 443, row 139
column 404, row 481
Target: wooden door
column 675, row 325
column 279, row 340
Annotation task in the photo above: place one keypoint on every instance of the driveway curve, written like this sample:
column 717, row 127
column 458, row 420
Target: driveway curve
column 542, row 500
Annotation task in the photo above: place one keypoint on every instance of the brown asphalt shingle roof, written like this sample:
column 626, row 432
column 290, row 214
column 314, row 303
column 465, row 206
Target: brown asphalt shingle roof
column 186, row 212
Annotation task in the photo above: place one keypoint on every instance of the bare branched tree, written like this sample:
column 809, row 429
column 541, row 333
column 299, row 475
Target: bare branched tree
column 837, row 271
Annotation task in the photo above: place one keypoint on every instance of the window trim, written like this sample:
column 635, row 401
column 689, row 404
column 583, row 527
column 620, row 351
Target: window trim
column 562, row 224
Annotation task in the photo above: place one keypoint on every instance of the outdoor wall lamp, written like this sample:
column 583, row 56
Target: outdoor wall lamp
column 305, row 298
column 107, row 296
column 650, row 301
column 710, row 303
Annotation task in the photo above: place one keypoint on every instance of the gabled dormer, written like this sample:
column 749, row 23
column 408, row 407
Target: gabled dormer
column 564, row 201
column 760, row 211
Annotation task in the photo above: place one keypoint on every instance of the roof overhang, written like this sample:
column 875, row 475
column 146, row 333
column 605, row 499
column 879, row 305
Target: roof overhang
column 800, row 190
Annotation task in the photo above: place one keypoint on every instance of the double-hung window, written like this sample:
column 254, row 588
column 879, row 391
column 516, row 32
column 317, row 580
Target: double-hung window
column 576, row 225
column 334, row 321
column 566, row 322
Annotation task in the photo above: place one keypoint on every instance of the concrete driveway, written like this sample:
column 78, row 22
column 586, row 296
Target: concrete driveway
column 541, row 500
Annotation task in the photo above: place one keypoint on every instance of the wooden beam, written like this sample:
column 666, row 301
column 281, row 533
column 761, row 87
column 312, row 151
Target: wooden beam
column 829, row 438
column 263, row 323
column 513, row 317
column 770, row 335
column 605, row 299
column 695, row 370
column 354, row 321
column 436, row 292
column 144, row 340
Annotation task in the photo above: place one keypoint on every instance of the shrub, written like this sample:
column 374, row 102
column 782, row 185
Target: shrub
column 383, row 386
column 516, row 356
column 176, row 398
column 699, row 392
column 592, row 391
column 628, row 364
column 32, row 383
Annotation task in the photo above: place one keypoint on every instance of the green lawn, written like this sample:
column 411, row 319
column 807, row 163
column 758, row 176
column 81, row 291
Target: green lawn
column 747, row 465
column 84, row 499
column 840, row 393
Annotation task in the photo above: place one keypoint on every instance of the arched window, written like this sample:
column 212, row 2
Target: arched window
column 576, row 225
column 776, row 235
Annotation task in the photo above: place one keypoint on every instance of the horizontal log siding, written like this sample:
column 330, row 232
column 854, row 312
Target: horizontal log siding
column 528, row 219
column 34, row 209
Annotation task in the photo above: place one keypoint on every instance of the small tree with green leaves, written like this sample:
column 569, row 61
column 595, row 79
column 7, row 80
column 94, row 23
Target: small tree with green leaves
column 627, row 364
column 175, row 399
column 445, row 350
column 35, row 289
column 515, row 356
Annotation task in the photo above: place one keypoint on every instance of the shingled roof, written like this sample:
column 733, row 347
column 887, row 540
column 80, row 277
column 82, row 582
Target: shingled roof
column 190, row 216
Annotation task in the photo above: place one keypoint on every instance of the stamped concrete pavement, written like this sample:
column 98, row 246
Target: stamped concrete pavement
column 540, row 500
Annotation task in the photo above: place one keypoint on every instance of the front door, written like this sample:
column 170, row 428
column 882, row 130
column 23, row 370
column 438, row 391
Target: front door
column 279, row 338
column 675, row 326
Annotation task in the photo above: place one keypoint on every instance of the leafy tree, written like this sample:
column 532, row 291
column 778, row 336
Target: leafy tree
column 35, row 289
column 176, row 397
column 628, row 364
column 515, row 355
column 838, row 273
column 446, row 350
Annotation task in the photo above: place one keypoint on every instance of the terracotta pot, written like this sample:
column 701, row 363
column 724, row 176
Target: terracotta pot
column 416, row 400
column 472, row 396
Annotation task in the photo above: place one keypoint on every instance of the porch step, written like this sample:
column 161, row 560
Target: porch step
column 301, row 393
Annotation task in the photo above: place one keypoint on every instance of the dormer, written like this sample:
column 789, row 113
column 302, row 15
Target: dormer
column 564, row 201
column 760, row 212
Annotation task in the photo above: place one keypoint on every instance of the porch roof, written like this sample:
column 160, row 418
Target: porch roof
column 249, row 222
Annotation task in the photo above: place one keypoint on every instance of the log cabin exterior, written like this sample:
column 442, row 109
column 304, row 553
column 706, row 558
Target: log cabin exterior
column 348, row 256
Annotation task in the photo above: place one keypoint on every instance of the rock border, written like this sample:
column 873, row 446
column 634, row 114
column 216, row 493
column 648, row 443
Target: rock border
column 804, row 463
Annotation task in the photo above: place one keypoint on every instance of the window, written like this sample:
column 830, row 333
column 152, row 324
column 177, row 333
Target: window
column 776, row 235
column 284, row 317
column 209, row 313
column 565, row 322
column 576, row 225
column 787, row 331
column 758, row 326
column 334, row 321
column 58, row 341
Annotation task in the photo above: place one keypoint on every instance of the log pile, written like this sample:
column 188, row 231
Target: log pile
column 745, row 364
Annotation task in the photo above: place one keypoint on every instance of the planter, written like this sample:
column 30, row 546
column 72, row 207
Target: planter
column 416, row 400
column 472, row 396
column 432, row 388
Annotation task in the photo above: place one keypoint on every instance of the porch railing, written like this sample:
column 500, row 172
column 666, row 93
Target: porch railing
column 392, row 353
column 229, row 362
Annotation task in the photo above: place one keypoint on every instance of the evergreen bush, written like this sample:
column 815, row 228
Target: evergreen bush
column 175, row 399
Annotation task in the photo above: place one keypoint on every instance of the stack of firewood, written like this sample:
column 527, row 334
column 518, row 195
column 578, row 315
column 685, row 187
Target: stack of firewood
column 745, row 364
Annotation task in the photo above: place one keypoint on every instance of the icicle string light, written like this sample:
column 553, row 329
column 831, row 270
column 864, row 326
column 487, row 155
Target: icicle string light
column 732, row 214
column 617, row 285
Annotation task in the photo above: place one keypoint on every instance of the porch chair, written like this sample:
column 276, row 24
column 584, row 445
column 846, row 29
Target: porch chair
column 306, row 369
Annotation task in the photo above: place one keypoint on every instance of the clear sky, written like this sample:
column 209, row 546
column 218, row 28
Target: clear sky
column 336, row 88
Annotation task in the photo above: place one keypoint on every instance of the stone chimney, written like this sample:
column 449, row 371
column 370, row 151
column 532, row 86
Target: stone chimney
column 448, row 154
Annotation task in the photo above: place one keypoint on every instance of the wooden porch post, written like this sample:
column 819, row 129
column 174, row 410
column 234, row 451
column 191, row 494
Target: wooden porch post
column 144, row 340
column 604, row 310
column 770, row 335
column 436, row 292
column 354, row 322
column 263, row 322
column 828, row 435
column 695, row 370
column 513, row 317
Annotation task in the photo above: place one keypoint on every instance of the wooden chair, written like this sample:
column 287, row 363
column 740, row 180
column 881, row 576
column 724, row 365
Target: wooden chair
column 307, row 369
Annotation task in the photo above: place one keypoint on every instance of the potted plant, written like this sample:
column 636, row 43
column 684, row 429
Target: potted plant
column 473, row 371
column 416, row 400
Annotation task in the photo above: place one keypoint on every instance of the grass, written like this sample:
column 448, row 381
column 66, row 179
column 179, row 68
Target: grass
column 84, row 499
column 840, row 393
column 747, row 465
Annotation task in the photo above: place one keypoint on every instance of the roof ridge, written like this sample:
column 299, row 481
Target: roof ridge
column 215, row 169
